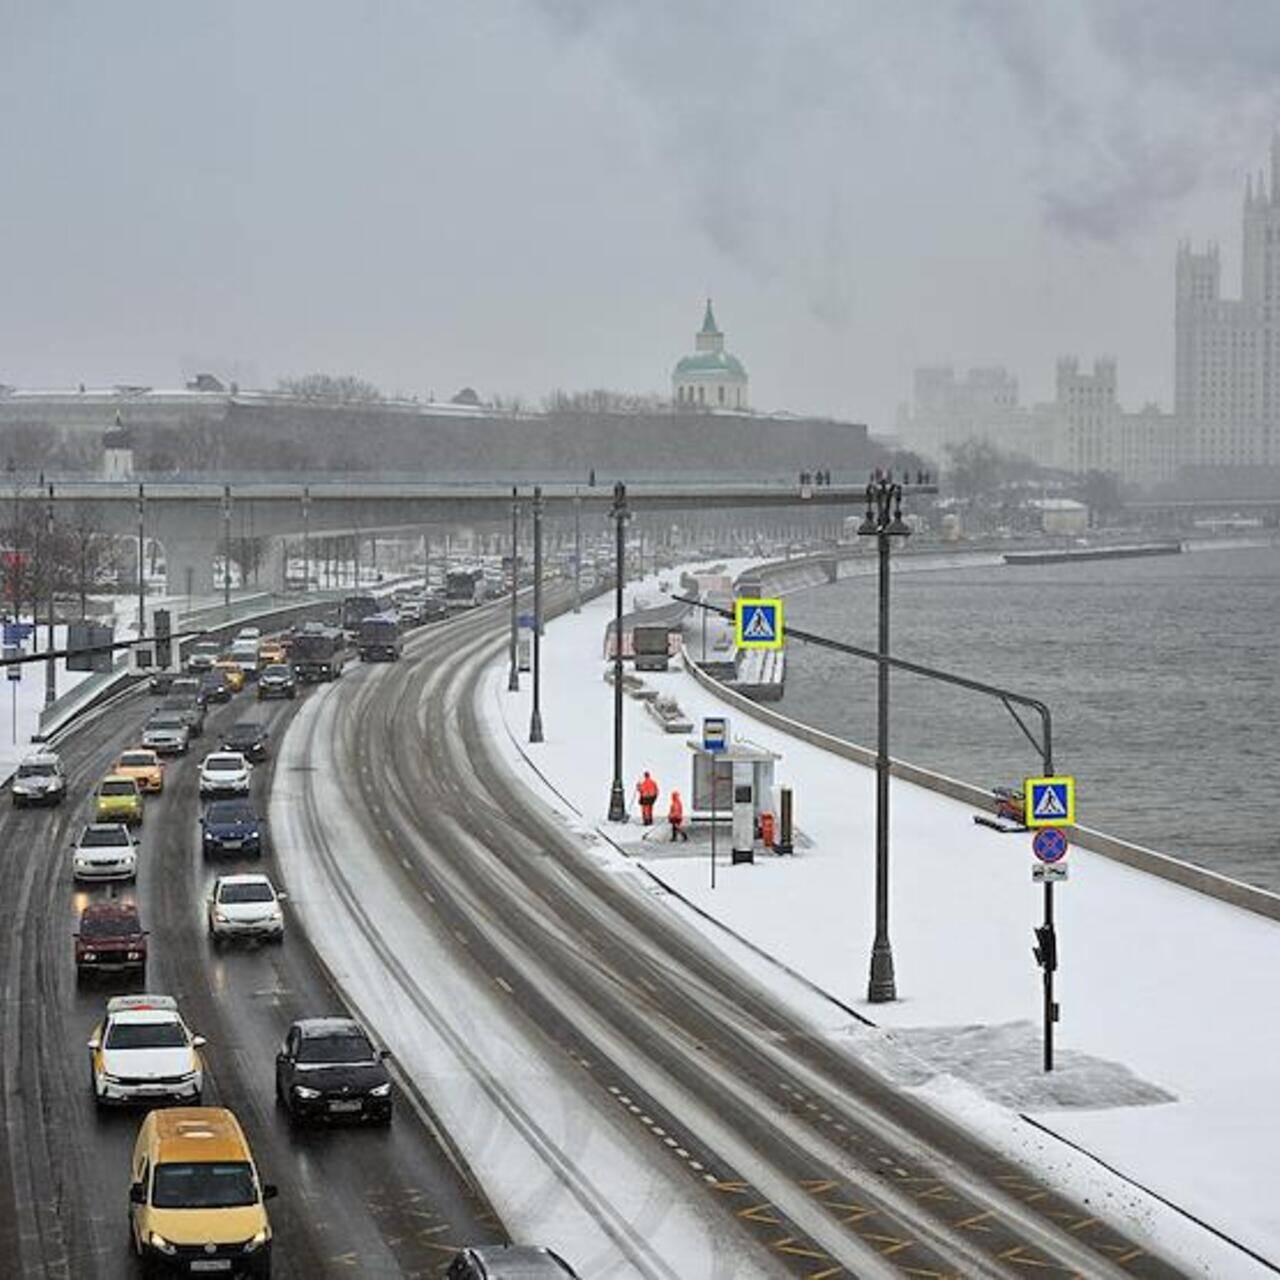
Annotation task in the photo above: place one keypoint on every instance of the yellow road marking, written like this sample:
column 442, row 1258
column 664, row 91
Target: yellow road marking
column 757, row 1214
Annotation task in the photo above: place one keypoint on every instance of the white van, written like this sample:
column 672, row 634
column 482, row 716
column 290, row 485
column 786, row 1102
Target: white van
column 244, row 653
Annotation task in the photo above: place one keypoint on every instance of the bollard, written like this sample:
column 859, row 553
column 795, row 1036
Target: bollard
column 784, row 844
column 766, row 830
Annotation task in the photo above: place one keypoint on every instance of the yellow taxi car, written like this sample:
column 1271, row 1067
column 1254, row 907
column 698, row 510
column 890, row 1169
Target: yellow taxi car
column 232, row 673
column 118, row 799
column 270, row 652
column 196, row 1203
column 144, row 767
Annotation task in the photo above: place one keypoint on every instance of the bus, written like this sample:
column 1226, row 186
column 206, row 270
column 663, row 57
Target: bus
column 464, row 588
column 355, row 609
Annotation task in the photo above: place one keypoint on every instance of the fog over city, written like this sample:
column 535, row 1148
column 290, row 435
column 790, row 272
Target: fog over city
column 528, row 195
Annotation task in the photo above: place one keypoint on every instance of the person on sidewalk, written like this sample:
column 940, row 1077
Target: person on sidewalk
column 675, row 816
column 647, row 790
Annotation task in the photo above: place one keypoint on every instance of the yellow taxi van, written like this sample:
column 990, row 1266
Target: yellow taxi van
column 196, row 1203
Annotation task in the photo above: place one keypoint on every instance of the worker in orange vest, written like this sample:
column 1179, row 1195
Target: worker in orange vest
column 675, row 816
column 647, row 790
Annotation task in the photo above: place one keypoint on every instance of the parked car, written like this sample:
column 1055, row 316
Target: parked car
column 230, row 826
column 277, row 681
column 245, row 906
column 329, row 1069
column 104, row 851
column 249, row 737
column 110, row 938
column 224, row 773
column 39, row 780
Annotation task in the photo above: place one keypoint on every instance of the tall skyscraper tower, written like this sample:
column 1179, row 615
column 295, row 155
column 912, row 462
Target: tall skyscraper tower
column 1227, row 350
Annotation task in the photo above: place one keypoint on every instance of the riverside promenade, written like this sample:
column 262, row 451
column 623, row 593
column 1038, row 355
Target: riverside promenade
column 1162, row 1111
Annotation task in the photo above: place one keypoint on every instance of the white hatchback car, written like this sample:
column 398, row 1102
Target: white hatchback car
column 143, row 1052
column 39, row 780
column 225, row 773
column 104, row 851
column 245, row 906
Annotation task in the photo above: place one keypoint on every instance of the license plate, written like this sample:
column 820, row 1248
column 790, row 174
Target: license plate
column 345, row 1106
column 211, row 1264
column 232, row 844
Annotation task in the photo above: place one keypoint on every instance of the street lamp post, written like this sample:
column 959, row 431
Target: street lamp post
column 306, row 538
column 226, row 547
column 535, row 717
column 142, row 586
column 513, row 676
column 883, row 521
column 617, row 799
column 51, row 665
column 577, row 551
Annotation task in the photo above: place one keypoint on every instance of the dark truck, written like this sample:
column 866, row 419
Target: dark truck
column 318, row 653
column 355, row 609
column 378, row 639
column 651, row 647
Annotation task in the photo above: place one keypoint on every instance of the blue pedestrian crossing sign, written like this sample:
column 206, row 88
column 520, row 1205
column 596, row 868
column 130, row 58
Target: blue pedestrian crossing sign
column 758, row 623
column 1049, row 802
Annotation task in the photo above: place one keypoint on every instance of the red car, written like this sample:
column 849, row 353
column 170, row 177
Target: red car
column 111, row 938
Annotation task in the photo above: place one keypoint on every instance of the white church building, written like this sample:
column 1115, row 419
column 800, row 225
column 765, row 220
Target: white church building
column 711, row 378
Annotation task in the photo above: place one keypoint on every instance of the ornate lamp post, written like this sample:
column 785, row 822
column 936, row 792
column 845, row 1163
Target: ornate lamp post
column 883, row 521
column 535, row 716
column 513, row 676
column 620, row 513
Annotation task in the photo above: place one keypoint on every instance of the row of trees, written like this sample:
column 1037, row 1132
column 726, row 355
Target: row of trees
column 69, row 556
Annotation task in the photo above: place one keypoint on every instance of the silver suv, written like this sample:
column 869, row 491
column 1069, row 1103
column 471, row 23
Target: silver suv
column 39, row 780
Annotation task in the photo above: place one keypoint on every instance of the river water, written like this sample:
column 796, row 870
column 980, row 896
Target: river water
column 1162, row 674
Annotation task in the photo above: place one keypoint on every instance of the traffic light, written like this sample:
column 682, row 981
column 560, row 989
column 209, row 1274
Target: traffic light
column 1046, row 948
column 164, row 646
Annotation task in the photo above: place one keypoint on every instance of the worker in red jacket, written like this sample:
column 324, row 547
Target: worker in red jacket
column 647, row 790
column 675, row 816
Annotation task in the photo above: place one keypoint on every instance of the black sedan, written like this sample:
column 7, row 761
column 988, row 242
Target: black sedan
column 215, row 688
column 230, row 826
column 329, row 1070
column 249, row 738
column 277, row 681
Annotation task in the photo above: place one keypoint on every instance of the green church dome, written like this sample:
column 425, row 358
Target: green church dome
column 711, row 362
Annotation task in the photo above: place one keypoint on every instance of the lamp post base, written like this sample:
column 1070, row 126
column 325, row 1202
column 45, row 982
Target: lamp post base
column 882, row 987
column 535, row 726
column 617, row 803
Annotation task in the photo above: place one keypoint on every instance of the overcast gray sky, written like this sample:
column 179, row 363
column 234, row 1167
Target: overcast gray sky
column 528, row 194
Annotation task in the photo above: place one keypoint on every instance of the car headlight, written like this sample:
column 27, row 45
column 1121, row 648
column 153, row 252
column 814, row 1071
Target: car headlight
column 381, row 1090
column 304, row 1092
column 220, row 918
column 251, row 835
column 159, row 1242
column 93, row 955
column 257, row 1240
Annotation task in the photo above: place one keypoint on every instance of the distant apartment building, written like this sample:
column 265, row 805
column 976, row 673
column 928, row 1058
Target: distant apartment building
column 1227, row 350
column 1084, row 428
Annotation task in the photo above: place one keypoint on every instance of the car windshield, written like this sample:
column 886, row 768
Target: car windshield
column 246, row 893
column 136, row 760
column 206, row 1185
column 120, row 788
column 246, row 731
column 222, row 811
column 36, row 771
column 167, row 722
column 146, row 1035
column 275, row 671
column 115, row 925
column 104, row 839
column 348, row 1048
column 223, row 764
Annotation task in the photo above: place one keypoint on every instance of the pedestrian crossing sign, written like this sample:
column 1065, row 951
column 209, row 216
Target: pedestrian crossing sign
column 1049, row 802
column 758, row 623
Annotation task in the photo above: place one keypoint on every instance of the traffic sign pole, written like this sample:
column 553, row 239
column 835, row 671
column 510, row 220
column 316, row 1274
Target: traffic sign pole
column 1049, row 806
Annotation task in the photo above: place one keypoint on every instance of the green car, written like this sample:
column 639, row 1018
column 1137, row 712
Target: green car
column 118, row 799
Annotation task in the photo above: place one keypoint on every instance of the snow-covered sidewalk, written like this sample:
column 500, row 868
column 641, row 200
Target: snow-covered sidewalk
column 1167, row 1052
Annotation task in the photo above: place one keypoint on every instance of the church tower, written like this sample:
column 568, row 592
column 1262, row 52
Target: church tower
column 711, row 378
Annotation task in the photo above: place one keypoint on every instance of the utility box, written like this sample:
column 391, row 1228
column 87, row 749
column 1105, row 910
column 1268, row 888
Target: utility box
column 744, row 812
